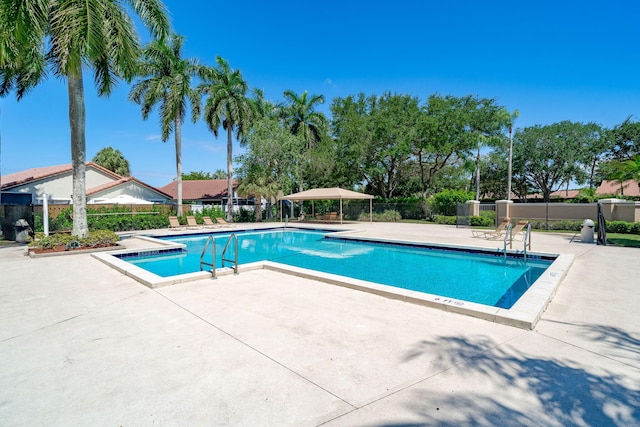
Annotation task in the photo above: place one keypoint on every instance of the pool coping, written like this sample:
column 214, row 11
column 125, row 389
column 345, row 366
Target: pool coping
column 524, row 314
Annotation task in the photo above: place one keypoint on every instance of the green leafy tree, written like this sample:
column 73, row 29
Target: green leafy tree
column 201, row 175
column 596, row 144
column 494, row 169
column 166, row 80
column 446, row 201
column 375, row 136
column 68, row 37
column 275, row 149
column 548, row 156
column 625, row 139
column 486, row 120
column 112, row 159
column 443, row 139
column 226, row 106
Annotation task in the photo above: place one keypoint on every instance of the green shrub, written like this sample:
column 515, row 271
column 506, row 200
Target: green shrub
column 446, row 202
column 244, row 215
column 94, row 239
column 445, row 219
column 564, row 225
column 100, row 238
column 386, row 216
column 482, row 221
column 211, row 212
column 621, row 227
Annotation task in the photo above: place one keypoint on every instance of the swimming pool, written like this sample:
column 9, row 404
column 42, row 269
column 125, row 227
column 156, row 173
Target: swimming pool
column 486, row 278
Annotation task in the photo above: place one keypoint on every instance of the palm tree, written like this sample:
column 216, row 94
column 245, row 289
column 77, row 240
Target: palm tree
column 300, row 115
column 166, row 80
column 67, row 37
column 228, row 106
column 37, row 34
column 625, row 170
column 112, row 159
column 257, row 185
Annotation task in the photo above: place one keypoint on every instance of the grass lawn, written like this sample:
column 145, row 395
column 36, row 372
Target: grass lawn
column 627, row 240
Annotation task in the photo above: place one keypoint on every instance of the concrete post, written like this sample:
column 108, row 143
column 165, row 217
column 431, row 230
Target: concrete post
column 473, row 208
column 608, row 208
column 503, row 208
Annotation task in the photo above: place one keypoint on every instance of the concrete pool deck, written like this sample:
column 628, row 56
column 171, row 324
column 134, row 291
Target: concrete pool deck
column 82, row 344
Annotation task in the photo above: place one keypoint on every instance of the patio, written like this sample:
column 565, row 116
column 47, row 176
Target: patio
column 83, row 344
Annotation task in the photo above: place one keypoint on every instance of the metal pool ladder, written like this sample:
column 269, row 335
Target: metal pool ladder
column 210, row 241
column 507, row 236
column 527, row 240
column 233, row 238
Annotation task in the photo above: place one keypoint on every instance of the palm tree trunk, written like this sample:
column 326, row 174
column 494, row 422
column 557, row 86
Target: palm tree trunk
column 478, row 175
column 77, row 121
column 229, row 175
column 178, row 138
column 258, row 208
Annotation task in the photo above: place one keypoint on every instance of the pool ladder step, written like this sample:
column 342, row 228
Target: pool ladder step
column 212, row 241
column 508, row 237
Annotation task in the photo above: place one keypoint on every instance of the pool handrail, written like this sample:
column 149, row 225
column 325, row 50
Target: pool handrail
column 507, row 234
column 211, row 240
column 224, row 251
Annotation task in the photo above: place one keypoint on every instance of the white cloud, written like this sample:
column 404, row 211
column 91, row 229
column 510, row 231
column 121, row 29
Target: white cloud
column 153, row 138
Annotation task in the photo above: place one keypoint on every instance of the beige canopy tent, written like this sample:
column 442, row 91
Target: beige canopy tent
column 331, row 194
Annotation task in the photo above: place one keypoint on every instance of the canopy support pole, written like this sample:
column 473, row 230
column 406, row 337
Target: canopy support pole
column 370, row 210
column 340, row 211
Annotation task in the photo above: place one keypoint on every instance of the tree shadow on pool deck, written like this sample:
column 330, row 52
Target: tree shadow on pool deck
column 521, row 389
column 610, row 341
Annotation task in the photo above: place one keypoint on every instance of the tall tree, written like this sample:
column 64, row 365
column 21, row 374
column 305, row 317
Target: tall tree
column 548, row 156
column 625, row 138
column 257, row 183
column 70, row 36
column 486, row 120
column 596, row 144
column 112, row 159
column 226, row 106
column 166, row 80
column 300, row 115
column 270, row 145
column 374, row 138
column 443, row 138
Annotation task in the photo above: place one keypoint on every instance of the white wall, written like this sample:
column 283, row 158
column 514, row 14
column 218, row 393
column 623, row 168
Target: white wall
column 60, row 187
column 132, row 189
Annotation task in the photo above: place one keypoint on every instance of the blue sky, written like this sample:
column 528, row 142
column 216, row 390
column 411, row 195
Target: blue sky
column 552, row 60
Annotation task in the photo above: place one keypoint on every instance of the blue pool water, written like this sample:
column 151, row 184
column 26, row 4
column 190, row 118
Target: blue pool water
column 477, row 277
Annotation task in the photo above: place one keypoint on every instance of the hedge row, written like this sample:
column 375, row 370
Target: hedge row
column 93, row 239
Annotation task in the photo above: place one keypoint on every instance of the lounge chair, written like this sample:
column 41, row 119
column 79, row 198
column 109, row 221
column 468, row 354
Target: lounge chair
column 207, row 222
column 191, row 222
column 518, row 232
column 173, row 222
column 223, row 222
column 492, row 234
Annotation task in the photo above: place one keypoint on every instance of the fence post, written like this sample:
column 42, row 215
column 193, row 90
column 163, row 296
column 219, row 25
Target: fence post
column 473, row 208
column 503, row 208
